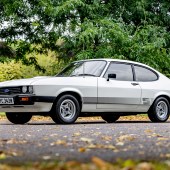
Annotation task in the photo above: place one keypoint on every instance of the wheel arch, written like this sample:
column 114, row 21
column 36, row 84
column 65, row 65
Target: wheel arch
column 69, row 92
column 162, row 95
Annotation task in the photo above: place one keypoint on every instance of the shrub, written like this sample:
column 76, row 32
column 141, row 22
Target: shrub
column 15, row 70
column 10, row 70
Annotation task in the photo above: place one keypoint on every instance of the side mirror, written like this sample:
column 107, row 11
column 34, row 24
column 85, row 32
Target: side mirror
column 111, row 76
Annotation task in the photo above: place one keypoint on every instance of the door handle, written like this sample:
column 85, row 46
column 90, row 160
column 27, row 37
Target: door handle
column 135, row 84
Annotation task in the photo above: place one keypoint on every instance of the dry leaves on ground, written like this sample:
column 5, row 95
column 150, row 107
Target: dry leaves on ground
column 95, row 164
column 122, row 118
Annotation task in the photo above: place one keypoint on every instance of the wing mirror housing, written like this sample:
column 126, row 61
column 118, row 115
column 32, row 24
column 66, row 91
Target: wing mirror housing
column 111, row 76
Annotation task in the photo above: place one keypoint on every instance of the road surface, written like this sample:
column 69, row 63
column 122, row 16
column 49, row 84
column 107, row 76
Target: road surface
column 44, row 140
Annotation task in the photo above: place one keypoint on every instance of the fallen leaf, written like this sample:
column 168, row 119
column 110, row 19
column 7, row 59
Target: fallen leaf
column 59, row 142
column 125, row 138
column 13, row 152
column 162, row 139
column 82, row 149
column 120, row 144
column 99, row 162
column 167, row 155
column 46, row 157
column 148, row 131
column 76, row 134
column 52, row 135
column 107, row 138
column 57, row 154
column 88, row 140
column 73, row 164
column 14, row 141
column 144, row 166
column 100, row 146
column 2, row 155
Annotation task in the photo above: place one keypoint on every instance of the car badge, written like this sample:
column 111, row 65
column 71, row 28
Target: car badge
column 6, row 90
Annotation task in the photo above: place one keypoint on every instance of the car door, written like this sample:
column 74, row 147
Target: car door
column 121, row 93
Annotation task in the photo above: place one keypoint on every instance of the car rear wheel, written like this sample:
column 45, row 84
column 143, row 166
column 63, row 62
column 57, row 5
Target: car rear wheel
column 19, row 118
column 110, row 118
column 66, row 110
column 160, row 110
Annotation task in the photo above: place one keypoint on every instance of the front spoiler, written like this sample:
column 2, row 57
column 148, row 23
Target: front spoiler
column 35, row 104
column 37, row 107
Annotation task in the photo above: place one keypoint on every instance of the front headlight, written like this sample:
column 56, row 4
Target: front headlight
column 30, row 89
column 24, row 89
column 27, row 89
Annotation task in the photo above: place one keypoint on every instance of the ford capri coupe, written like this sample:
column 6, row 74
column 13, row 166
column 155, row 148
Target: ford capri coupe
column 100, row 87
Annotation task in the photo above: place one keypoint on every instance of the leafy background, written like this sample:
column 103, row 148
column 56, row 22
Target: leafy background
column 41, row 36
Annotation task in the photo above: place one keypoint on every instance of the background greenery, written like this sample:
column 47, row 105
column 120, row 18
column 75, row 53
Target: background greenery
column 48, row 34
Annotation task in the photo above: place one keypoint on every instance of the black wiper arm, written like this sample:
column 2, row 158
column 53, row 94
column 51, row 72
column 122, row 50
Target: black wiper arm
column 86, row 75
column 76, row 75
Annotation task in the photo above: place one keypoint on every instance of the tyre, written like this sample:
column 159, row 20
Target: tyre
column 160, row 110
column 110, row 118
column 151, row 117
column 66, row 110
column 19, row 118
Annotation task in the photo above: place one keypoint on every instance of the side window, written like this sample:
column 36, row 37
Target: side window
column 123, row 71
column 144, row 74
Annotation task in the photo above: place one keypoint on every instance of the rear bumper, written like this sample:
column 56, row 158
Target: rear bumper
column 33, row 104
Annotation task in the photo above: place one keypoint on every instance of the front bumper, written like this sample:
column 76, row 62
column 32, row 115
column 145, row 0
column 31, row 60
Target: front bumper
column 28, row 103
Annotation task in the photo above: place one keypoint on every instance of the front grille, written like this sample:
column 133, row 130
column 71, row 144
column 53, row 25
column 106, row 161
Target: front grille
column 10, row 90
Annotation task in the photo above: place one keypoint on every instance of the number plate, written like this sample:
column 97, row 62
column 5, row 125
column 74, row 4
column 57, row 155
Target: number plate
column 6, row 101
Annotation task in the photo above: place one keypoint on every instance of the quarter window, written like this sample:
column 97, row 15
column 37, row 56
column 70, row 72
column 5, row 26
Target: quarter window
column 144, row 74
column 123, row 71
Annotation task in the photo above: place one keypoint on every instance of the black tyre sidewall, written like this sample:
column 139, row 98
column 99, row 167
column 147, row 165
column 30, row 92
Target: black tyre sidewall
column 19, row 118
column 58, row 115
column 151, row 117
column 153, row 113
column 110, row 118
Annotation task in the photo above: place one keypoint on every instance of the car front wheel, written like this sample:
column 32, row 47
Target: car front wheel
column 160, row 110
column 19, row 118
column 110, row 118
column 66, row 110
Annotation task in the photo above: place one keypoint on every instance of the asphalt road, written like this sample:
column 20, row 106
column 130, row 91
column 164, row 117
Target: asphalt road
column 39, row 141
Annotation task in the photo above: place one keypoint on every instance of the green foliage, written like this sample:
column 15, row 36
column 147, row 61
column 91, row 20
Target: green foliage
column 109, row 39
column 6, row 52
column 50, row 63
column 10, row 70
column 16, row 70
column 79, row 29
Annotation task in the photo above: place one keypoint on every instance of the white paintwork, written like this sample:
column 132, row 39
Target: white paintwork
column 84, row 86
column 22, row 82
column 119, row 89
column 94, row 88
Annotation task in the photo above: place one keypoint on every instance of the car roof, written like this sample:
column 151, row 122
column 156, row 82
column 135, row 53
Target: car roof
column 120, row 60
column 109, row 60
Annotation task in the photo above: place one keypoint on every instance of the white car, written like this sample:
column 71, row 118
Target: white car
column 100, row 87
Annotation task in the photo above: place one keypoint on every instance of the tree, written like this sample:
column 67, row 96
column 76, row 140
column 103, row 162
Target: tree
column 77, row 29
column 6, row 52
